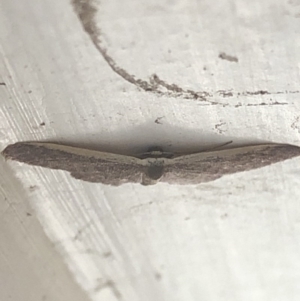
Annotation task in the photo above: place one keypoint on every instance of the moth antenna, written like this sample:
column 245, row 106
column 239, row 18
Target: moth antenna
column 219, row 146
column 205, row 150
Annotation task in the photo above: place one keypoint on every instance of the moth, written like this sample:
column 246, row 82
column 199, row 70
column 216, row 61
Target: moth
column 151, row 167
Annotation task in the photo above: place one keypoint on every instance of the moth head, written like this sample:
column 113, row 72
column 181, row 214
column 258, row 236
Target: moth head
column 156, row 152
column 153, row 174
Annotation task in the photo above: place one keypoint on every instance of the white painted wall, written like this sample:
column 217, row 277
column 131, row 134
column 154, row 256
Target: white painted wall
column 236, row 238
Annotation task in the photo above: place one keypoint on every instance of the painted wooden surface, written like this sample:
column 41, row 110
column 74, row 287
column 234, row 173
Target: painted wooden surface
column 121, row 76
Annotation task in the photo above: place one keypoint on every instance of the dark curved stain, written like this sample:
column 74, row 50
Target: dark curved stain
column 86, row 11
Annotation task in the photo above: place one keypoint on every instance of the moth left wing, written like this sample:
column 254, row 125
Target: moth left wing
column 84, row 164
column 208, row 166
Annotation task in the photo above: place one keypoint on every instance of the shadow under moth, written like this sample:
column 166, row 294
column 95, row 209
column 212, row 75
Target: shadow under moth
column 151, row 167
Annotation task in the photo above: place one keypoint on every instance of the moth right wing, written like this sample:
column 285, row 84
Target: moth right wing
column 208, row 166
column 83, row 164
